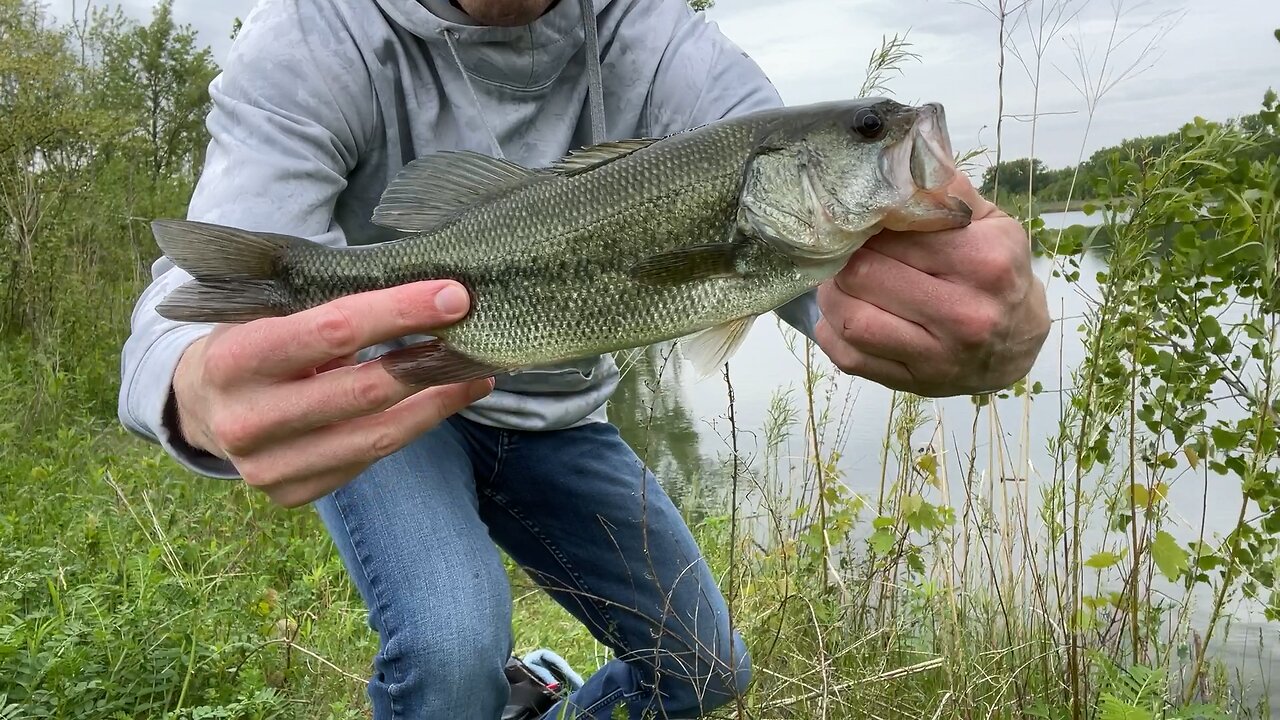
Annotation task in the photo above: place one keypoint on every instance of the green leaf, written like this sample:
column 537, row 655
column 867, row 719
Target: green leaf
column 1141, row 498
column 1168, row 555
column 1102, row 560
column 1224, row 439
column 881, row 541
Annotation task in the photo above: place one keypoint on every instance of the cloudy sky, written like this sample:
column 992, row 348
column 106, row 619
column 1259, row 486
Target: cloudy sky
column 1176, row 59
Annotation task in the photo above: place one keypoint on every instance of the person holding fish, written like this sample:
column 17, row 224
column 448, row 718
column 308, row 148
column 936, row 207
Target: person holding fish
column 421, row 228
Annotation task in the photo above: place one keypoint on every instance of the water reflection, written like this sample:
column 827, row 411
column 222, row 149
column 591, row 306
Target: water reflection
column 654, row 418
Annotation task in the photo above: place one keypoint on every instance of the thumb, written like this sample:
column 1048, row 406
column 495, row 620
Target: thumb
column 962, row 187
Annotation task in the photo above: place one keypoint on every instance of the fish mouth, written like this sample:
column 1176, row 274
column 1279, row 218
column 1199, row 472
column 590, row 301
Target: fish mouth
column 921, row 166
column 931, row 161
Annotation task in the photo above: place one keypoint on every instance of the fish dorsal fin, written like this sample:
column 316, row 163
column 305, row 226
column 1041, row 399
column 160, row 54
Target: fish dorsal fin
column 710, row 349
column 688, row 264
column 593, row 156
column 432, row 190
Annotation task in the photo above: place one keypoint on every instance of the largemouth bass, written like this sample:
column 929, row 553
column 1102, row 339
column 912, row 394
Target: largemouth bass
column 614, row 246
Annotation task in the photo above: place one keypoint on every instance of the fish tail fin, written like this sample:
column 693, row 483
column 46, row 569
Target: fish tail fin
column 235, row 271
column 434, row 363
column 214, row 253
column 223, row 302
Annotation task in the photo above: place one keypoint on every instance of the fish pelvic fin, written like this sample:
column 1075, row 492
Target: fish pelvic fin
column 433, row 363
column 689, row 264
column 216, row 253
column 710, row 349
column 433, row 190
column 222, row 302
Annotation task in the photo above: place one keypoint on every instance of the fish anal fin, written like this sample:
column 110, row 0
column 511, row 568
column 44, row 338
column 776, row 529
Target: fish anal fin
column 432, row 190
column 594, row 156
column 688, row 264
column 710, row 349
column 433, row 363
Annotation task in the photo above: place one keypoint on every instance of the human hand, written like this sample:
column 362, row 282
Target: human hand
column 938, row 314
column 284, row 401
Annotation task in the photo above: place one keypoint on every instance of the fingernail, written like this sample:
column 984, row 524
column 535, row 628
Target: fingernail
column 482, row 388
column 452, row 300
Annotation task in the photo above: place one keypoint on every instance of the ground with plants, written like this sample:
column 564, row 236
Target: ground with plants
column 131, row 589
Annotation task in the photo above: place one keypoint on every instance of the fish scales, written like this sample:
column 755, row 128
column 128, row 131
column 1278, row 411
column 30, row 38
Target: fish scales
column 615, row 246
column 549, row 266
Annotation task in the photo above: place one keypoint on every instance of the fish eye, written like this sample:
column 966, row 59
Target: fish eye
column 867, row 123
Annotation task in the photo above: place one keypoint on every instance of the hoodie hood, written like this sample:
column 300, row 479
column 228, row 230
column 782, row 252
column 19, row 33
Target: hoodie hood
column 523, row 59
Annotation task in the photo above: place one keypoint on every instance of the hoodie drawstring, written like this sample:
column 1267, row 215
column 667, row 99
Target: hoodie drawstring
column 475, row 98
column 595, row 84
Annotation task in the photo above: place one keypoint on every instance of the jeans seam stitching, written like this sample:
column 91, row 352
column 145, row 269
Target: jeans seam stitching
column 503, row 441
column 608, row 699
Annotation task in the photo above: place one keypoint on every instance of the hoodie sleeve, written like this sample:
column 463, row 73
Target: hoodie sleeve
column 290, row 112
column 703, row 77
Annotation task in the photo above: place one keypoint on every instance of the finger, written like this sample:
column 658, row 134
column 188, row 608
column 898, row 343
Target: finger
column 306, row 465
column 873, row 330
column 962, row 187
column 996, row 245
column 890, row 373
column 297, row 493
column 899, row 288
column 288, row 409
column 284, row 347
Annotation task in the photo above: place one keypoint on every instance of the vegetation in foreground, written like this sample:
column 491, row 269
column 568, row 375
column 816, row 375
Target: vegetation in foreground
column 129, row 589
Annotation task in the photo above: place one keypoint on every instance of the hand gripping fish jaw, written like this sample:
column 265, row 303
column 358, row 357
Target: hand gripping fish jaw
column 816, row 190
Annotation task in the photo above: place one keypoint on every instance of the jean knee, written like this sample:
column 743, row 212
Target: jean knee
column 436, row 661
column 742, row 673
column 715, row 680
column 732, row 674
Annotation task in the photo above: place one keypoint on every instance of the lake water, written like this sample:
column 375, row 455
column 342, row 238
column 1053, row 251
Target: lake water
column 684, row 428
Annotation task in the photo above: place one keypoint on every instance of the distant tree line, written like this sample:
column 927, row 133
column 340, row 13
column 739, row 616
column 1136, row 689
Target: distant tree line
column 1016, row 177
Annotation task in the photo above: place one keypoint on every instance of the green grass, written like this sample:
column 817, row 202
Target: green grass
column 132, row 589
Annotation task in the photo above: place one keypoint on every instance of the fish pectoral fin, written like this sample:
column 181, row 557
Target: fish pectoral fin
column 593, row 156
column 433, row 363
column 712, row 348
column 432, row 190
column 698, row 262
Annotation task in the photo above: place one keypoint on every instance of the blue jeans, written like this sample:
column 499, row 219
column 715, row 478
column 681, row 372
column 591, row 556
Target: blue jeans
column 589, row 523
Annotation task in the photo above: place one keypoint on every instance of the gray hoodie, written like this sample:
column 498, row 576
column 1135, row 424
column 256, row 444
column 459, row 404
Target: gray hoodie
column 321, row 102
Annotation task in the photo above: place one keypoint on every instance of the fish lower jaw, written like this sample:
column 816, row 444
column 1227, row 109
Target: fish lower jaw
column 817, row 272
column 839, row 242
